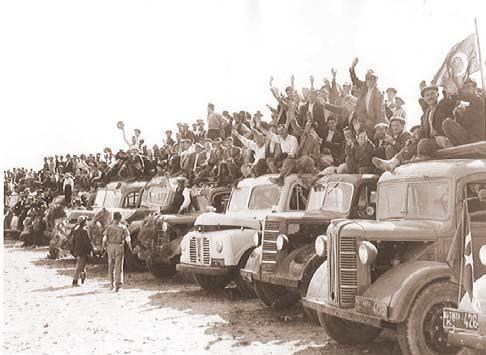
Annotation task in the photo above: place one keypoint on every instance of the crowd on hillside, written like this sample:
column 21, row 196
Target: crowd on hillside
column 353, row 127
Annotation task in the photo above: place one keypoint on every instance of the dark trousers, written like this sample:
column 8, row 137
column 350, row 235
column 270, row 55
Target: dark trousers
column 457, row 134
column 80, row 268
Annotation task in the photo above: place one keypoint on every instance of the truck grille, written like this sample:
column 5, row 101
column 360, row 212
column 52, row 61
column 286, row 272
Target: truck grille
column 343, row 271
column 199, row 251
column 269, row 246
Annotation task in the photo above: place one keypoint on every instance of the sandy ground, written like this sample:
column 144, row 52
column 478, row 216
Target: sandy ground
column 44, row 314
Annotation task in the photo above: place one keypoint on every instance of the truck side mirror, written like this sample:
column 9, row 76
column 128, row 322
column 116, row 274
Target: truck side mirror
column 373, row 197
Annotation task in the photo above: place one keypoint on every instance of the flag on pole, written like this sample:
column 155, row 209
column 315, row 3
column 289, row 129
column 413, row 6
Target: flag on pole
column 461, row 61
column 460, row 256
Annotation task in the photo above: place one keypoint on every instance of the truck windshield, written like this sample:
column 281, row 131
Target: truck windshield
column 239, row 199
column 155, row 196
column 414, row 200
column 264, row 197
column 334, row 197
column 107, row 198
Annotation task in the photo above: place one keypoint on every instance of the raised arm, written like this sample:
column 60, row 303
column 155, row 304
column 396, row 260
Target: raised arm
column 245, row 141
column 354, row 78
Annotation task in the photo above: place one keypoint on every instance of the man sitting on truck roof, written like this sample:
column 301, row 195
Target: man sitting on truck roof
column 432, row 135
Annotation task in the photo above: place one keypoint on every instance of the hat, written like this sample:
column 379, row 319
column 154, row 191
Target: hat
column 200, row 121
column 209, row 140
column 371, row 73
column 185, row 124
column 392, row 90
column 181, row 178
column 396, row 118
column 225, row 113
column 81, row 219
column 469, row 81
column 228, row 139
column 398, row 98
column 415, row 127
column 258, row 114
column 381, row 125
column 217, row 140
column 428, row 88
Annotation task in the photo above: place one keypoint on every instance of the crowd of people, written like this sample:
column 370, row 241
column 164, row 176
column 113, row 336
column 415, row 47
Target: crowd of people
column 353, row 127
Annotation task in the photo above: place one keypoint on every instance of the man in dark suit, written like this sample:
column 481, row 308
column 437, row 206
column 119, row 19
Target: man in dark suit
column 431, row 133
column 317, row 111
column 370, row 108
column 334, row 141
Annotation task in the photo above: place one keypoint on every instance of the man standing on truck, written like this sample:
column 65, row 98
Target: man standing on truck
column 182, row 197
column 114, row 239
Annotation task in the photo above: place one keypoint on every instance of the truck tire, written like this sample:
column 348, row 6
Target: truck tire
column 347, row 332
column 160, row 270
column 275, row 296
column 422, row 332
column 244, row 287
column 209, row 282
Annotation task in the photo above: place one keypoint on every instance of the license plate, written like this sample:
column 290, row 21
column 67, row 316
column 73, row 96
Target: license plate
column 371, row 307
column 452, row 318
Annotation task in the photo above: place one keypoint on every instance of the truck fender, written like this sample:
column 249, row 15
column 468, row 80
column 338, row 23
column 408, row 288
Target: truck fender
column 301, row 264
column 399, row 286
column 253, row 263
column 318, row 286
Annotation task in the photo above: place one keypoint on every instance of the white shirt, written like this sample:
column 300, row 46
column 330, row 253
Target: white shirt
column 311, row 108
column 187, row 199
column 368, row 99
column 68, row 181
column 259, row 151
column 330, row 134
column 289, row 145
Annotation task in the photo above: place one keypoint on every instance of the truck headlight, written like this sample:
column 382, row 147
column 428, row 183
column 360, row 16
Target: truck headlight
column 219, row 246
column 482, row 255
column 320, row 245
column 164, row 227
column 256, row 239
column 282, row 241
column 367, row 252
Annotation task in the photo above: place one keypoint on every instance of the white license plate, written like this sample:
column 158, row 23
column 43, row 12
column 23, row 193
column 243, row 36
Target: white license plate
column 371, row 307
column 452, row 318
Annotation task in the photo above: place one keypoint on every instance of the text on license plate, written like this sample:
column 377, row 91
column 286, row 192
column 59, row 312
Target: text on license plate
column 371, row 307
column 452, row 318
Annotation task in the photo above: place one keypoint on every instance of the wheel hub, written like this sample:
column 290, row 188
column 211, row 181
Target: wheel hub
column 434, row 333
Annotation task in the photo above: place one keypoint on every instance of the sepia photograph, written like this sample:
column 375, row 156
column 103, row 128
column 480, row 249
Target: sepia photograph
column 243, row 177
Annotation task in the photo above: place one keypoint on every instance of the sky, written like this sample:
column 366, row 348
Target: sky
column 70, row 70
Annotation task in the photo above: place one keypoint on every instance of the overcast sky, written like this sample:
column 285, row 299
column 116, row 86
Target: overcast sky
column 69, row 70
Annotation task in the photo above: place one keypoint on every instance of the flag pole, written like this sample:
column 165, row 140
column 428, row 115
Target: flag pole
column 481, row 70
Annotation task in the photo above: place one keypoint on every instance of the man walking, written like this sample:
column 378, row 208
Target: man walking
column 114, row 239
column 82, row 248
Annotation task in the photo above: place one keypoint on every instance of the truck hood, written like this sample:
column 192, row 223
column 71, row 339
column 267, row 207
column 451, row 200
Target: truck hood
column 395, row 230
column 217, row 219
column 306, row 216
column 126, row 213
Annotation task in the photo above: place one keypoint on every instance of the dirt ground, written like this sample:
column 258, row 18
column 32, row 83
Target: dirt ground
column 44, row 314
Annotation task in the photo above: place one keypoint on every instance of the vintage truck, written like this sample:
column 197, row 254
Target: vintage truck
column 391, row 272
column 220, row 244
column 159, row 235
column 116, row 196
column 281, row 267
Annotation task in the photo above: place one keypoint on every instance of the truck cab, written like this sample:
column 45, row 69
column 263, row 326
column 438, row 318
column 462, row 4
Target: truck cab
column 391, row 272
column 220, row 244
column 160, row 234
column 281, row 267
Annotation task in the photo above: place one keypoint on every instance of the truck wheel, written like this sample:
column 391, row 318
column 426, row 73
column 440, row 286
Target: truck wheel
column 422, row 332
column 244, row 287
column 212, row 282
column 347, row 332
column 133, row 262
column 274, row 295
column 160, row 270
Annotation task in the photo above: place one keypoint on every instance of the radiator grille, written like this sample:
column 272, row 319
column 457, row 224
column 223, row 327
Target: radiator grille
column 199, row 251
column 269, row 246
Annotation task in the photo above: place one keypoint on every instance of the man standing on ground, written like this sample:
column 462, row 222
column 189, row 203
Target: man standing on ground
column 114, row 239
column 82, row 248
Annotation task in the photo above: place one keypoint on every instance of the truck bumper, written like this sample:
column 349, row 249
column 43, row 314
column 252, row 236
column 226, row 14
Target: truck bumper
column 276, row 279
column 344, row 313
column 468, row 339
column 205, row 270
